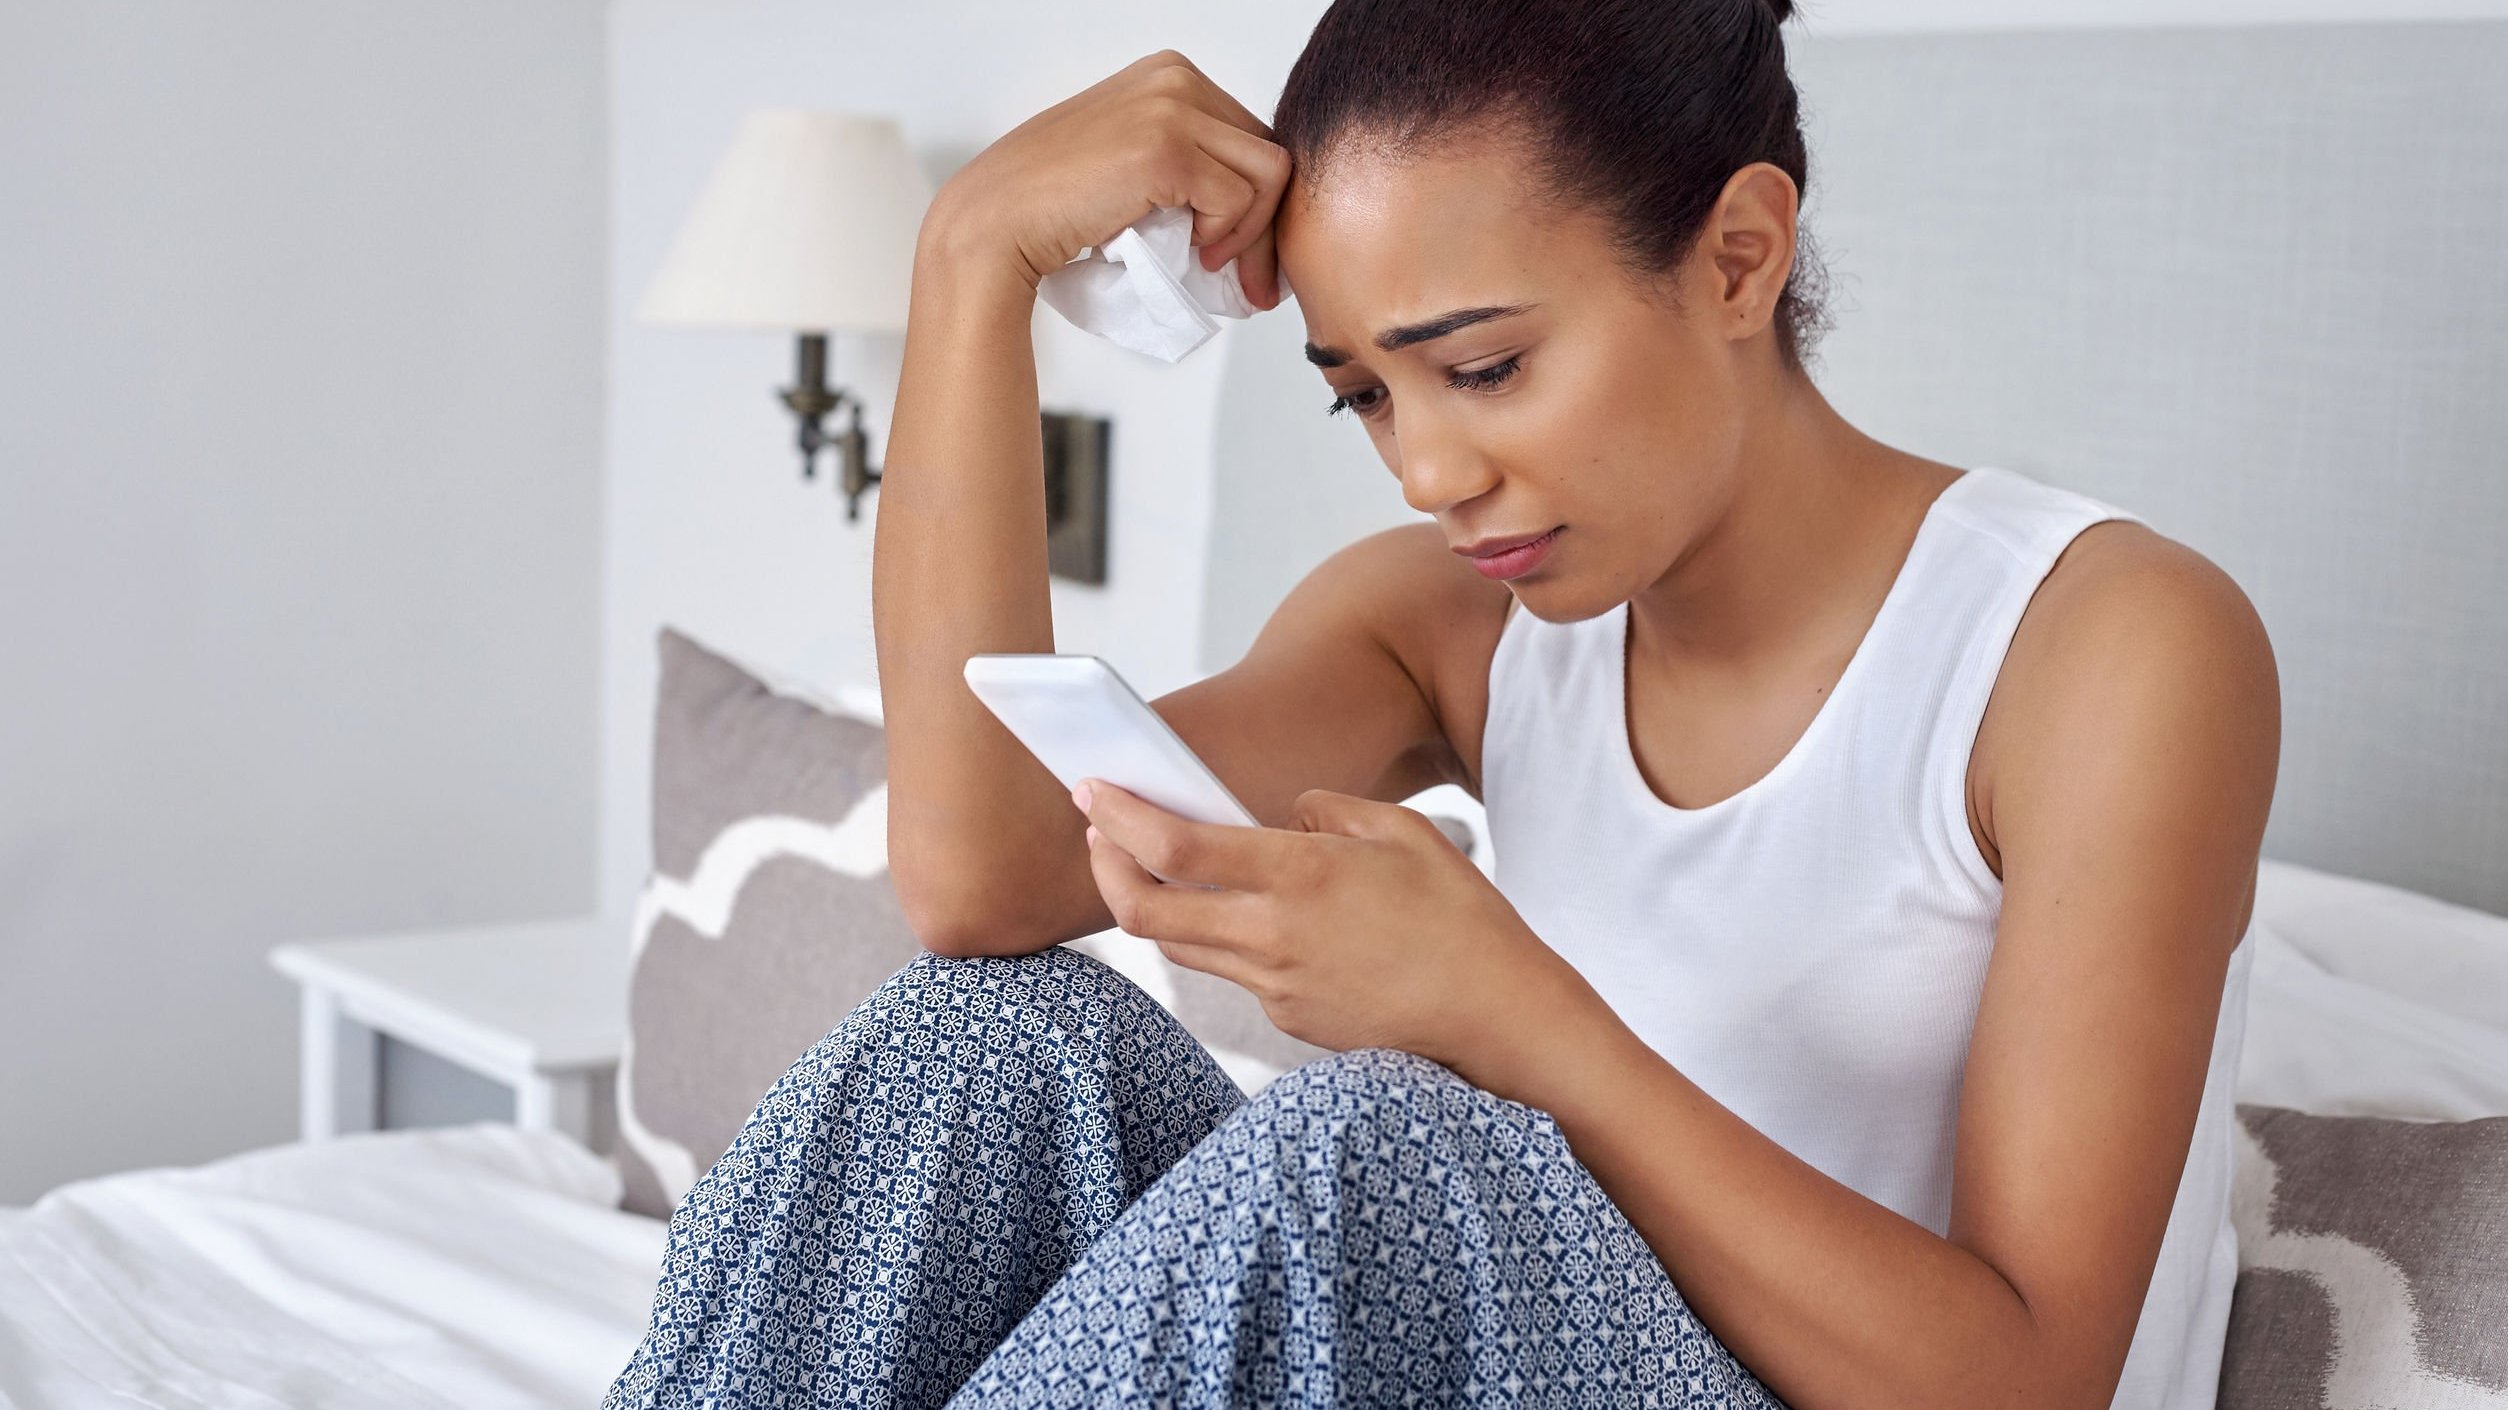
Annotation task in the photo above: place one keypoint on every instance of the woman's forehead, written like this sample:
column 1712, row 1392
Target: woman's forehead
column 1378, row 244
column 1371, row 204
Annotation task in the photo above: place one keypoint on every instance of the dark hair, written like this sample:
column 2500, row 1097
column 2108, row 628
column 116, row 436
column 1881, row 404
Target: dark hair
column 1638, row 109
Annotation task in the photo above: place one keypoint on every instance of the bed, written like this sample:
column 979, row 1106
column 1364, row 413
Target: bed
column 479, row 1265
column 487, row 1265
column 2346, row 473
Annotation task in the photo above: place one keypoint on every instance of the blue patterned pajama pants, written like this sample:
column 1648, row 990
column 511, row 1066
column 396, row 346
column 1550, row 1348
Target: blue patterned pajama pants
column 1019, row 1182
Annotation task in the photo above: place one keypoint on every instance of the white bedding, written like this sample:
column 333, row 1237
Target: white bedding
column 488, row 1266
column 2371, row 1000
column 471, row 1266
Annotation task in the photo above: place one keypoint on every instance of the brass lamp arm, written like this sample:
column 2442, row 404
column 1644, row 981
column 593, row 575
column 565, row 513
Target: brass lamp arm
column 811, row 400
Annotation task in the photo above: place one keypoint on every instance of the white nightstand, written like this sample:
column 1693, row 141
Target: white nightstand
column 537, row 1006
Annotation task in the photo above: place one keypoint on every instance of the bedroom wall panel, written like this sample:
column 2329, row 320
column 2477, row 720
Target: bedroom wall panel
column 2251, row 285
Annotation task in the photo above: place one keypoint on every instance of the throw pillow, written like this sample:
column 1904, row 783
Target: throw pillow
column 2373, row 1263
column 768, row 914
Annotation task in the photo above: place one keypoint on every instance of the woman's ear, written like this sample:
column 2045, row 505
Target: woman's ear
column 1748, row 239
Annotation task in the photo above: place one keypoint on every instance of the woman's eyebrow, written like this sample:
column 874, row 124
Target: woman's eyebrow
column 1396, row 339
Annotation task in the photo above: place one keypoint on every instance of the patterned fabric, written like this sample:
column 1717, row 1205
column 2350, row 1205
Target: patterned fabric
column 2376, row 1264
column 768, row 913
column 1019, row 1182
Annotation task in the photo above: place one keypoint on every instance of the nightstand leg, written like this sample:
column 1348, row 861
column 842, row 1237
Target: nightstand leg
column 562, row 1103
column 336, row 1078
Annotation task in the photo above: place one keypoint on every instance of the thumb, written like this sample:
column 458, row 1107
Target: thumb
column 1322, row 810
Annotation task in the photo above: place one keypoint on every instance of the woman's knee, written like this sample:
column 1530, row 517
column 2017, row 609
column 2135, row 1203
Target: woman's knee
column 1053, row 985
column 1370, row 1135
column 1056, row 1039
column 981, row 1035
column 1058, row 1015
column 1385, row 1094
column 1365, row 1076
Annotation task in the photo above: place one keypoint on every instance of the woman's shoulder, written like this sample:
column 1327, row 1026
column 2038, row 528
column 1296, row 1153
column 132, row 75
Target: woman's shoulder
column 2122, row 587
column 2131, row 635
column 1439, row 618
column 1413, row 581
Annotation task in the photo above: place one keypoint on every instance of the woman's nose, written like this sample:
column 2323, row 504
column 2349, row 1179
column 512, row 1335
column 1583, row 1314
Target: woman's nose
column 1440, row 472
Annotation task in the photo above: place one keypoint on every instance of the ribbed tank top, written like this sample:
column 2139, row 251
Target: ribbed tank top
column 1811, row 950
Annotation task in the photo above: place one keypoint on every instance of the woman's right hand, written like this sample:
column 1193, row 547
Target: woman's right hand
column 1156, row 133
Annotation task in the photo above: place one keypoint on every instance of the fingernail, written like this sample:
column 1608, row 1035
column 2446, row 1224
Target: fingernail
column 1081, row 795
column 1092, row 836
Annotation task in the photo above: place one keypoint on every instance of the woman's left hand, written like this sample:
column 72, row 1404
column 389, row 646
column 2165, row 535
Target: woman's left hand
column 1358, row 925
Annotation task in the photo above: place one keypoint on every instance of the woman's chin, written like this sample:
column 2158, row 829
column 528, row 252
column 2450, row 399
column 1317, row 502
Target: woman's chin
column 1556, row 599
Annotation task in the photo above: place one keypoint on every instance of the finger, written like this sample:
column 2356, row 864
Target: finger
column 1224, row 961
column 1258, row 268
column 1218, row 99
column 1322, row 810
column 1143, row 905
column 1266, row 167
column 1208, row 854
column 1241, row 141
column 1218, row 193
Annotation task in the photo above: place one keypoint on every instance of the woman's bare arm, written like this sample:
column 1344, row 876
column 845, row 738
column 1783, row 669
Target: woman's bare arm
column 985, row 849
column 958, row 567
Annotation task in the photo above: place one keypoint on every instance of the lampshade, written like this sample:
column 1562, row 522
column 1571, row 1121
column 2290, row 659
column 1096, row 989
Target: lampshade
column 807, row 224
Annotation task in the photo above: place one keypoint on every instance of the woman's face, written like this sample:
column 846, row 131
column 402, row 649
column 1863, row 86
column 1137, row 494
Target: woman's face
column 1595, row 409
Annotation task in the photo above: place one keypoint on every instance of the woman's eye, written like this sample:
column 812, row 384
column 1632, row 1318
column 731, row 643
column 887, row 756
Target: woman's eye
column 1489, row 376
column 1479, row 378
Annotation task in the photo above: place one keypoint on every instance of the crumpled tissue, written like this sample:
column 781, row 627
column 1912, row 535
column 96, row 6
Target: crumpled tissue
column 1146, row 289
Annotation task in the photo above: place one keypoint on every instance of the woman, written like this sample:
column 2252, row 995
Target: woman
column 1855, row 1017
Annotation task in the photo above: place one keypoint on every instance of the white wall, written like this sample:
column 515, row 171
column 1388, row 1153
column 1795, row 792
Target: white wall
column 300, row 339
column 711, row 527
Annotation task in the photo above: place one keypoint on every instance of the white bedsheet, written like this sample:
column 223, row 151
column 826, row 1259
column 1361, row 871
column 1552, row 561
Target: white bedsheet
column 467, row 1266
column 2370, row 1000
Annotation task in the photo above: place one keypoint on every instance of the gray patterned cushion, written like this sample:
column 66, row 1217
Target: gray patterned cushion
column 769, row 914
column 2373, row 1264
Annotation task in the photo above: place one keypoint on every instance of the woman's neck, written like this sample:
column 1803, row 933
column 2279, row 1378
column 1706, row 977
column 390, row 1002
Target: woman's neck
column 1813, row 533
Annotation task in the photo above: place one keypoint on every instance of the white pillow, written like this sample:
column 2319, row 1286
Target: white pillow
column 2370, row 1000
column 2452, row 958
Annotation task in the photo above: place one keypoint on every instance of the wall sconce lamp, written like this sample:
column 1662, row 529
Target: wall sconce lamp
column 807, row 226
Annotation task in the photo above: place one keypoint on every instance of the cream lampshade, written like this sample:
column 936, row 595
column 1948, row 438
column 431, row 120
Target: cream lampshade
column 807, row 225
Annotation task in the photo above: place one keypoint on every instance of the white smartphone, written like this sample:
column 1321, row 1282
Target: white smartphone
column 1081, row 720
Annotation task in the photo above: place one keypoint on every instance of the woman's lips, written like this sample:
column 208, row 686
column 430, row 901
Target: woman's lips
column 1516, row 562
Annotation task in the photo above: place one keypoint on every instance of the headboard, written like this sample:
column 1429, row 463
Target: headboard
column 2250, row 283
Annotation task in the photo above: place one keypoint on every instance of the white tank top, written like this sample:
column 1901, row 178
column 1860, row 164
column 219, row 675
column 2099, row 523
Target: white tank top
column 1811, row 950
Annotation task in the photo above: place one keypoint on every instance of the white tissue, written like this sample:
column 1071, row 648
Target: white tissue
column 1146, row 289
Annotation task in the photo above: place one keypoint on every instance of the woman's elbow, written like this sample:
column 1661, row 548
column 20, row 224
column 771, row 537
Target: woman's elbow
column 963, row 918
column 944, row 918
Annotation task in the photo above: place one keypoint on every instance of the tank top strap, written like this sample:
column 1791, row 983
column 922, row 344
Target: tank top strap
column 2004, row 537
